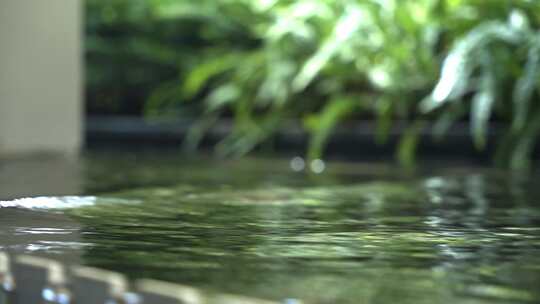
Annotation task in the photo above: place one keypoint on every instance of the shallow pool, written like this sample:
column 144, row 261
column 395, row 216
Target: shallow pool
column 357, row 233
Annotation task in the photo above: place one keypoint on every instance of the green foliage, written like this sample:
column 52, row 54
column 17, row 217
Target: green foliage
column 317, row 61
column 490, row 60
column 267, row 62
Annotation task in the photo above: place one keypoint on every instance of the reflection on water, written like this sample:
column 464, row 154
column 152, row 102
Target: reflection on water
column 43, row 233
column 359, row 234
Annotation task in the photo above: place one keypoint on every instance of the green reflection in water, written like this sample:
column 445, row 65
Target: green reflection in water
column 461, row 238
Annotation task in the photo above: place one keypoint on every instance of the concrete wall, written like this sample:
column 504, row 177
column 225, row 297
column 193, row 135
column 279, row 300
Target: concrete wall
column 40, row 76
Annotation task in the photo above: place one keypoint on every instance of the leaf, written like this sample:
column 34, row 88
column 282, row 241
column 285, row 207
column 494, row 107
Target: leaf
column 455, row 73
column 384, row 113
column 446, row 120
column 460, row 63
column 345, row 28
column 526, row 85
column 178, row 9
column 408, row 144
column 323, row 123
column 197, row 131
column 163, row 98
column 246, row 136
column 275, row 86
column 522, row 151
column 221, row 96
column 203, row 72
column 482, row 102
column 505, row 146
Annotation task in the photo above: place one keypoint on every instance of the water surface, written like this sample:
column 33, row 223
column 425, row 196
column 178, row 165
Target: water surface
column 358, row 233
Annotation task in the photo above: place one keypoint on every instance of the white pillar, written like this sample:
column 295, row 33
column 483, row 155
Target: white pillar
column 40, row 76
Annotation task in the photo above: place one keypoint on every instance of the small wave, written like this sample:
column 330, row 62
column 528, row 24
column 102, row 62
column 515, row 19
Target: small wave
column 50, row 202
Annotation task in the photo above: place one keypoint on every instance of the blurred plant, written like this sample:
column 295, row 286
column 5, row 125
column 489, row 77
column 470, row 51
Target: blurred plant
column 134, row 46
column 320, row 63
column 491, row 60
column 317, row 61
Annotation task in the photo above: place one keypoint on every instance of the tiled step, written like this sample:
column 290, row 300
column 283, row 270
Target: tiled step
column 26, row 279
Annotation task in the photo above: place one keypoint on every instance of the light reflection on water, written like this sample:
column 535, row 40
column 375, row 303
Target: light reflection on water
column 39, row 230
column 449, row 236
